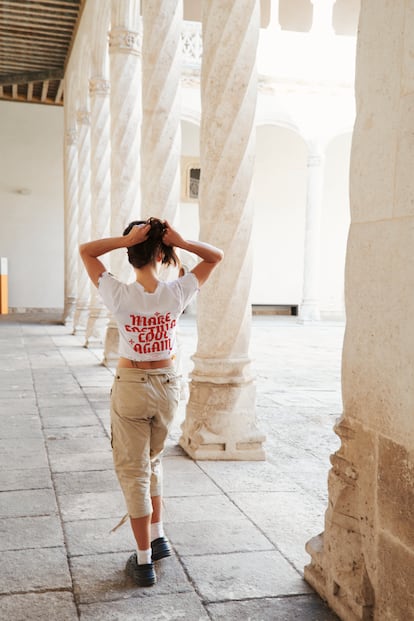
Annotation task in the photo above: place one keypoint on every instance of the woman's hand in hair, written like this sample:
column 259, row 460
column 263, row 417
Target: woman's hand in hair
column 137, row 235
column 171, row 237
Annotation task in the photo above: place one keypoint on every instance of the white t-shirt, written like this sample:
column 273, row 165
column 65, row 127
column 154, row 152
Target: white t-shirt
column 147, row 321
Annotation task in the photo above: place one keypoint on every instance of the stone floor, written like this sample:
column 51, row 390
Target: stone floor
column 238, row 529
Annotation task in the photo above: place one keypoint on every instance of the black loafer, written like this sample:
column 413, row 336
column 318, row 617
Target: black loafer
column 142, row 575
column 160, row 548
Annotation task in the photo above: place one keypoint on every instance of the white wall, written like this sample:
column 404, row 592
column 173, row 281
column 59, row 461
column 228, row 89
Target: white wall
column 279, row 191
column 31, row 229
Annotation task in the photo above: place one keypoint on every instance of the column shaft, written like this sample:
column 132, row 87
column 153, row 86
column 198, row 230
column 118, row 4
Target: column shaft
column 322, row 16
column 125, row 103
column 220, row 421
column 309, row 308
column 161, row 135
column 84, row 217
column 71, row 223
column 100, row 193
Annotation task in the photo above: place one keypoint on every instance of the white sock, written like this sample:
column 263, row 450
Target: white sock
column 157, row 530
column 144, row 557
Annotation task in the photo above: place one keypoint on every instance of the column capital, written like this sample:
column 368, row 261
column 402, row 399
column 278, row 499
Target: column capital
column 125, row 41
column 99, row 86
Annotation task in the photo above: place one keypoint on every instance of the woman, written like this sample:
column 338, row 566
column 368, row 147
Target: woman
column 146, row 390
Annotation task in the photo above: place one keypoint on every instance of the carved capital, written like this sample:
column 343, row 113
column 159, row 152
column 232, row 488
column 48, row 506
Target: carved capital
column 125, row 41
column 99, row 86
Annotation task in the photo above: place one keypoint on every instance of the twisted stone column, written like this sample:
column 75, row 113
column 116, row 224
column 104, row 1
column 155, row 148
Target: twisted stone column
column 161, row 131
column 84, row 217
column 220, row 420
column 100, row 193
column 125, row 43
column 71, row 223
column 309, row 308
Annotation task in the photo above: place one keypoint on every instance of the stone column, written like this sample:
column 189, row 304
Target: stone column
column 125, row 42
column 100, row 194
column 99, row 88
column 220, row 420
column 322, row 17
column 70, row 219
column 84, row 216
column 161, row 131
column 274, row 23
column 309, row 308
column 363, row 563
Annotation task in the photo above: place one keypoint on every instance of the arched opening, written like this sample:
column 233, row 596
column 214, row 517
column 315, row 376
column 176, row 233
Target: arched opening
column 279, row 190
column 334, row 227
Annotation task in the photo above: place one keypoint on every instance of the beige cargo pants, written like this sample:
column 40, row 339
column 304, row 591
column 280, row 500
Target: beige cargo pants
column 143, row 404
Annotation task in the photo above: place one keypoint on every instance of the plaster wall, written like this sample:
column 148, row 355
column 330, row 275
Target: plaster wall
column 31, row 224
column 279, row 191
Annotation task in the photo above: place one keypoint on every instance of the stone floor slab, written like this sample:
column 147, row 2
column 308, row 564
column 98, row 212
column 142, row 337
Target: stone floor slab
column 30, row 532
column 216, row 537
column 199, row 508
column 299, row 608
column 28, row 503
column 42, row 569
column 102, row 577
column 92, row 505
column 288, row 519
column 38, row 607
column 81, row 462
column 23, row 453
column 86, row 537
column 85, row 482
column 30, row 478
column 236, row 476
column 188, row 483
column 243, row 575
column 177, row 607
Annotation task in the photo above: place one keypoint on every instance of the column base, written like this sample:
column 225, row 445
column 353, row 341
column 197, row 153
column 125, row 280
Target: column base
column 80, row 320
column 220, row 423
column 95, row 328
column 69, row 311
column 309, row 312
column 111, row 345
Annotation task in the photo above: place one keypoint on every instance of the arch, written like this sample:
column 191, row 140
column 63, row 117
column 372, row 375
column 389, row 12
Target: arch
column 279, row 196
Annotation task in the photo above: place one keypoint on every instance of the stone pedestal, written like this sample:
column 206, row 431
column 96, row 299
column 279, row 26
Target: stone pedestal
column 219, row 423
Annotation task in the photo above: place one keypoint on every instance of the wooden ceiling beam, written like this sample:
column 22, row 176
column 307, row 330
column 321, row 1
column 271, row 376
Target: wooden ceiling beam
column 59, row 91
column 11, row 14
column 38, row 27
column 45, row 88
column 36, row 7
column 29, row 54
column 31, row 76
column 10, row 42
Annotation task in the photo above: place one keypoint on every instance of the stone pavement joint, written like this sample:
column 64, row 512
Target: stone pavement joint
column 238, row 529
